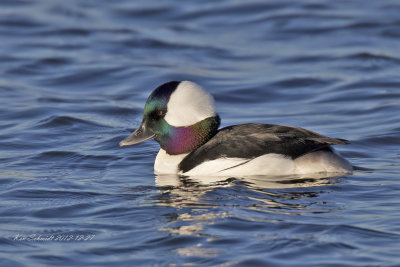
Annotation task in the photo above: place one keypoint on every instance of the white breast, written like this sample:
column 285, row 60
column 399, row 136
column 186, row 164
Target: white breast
column 167, row 164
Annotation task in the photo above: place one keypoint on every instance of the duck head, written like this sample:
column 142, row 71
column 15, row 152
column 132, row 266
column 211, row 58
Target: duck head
column 180, row 116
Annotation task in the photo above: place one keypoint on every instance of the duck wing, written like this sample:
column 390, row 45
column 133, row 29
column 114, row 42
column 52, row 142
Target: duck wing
column 252, row 140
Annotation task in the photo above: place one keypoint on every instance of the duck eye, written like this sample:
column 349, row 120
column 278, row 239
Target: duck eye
column 161, row 113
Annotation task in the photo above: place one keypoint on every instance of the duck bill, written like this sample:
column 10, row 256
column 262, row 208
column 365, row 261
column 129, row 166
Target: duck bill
column 141, row 134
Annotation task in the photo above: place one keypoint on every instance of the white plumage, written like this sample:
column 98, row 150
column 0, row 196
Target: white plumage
column 188, row 104
column 269, row 164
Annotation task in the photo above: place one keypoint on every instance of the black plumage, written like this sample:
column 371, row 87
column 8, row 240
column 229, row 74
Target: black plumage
column 252, row 140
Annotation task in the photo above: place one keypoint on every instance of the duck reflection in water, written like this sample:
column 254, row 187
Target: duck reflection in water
column 201, row 201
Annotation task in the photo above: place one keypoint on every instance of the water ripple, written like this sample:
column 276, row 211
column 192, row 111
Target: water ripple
column 67, row 121
column 74, row 77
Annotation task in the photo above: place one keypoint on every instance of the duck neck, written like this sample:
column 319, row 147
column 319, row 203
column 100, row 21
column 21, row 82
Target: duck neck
column 179, row 140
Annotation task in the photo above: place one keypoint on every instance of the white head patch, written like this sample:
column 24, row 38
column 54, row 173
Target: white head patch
column 189, row 104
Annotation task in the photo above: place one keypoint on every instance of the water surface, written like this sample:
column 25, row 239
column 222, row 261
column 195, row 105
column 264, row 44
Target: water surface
column 74, row 77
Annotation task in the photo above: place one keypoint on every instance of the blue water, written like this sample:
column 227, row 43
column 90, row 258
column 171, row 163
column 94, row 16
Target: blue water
column 74, row 77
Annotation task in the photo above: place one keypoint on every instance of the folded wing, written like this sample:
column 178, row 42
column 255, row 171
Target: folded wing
column 252, row 140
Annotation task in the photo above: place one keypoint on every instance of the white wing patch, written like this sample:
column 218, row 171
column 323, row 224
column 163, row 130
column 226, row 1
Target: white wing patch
column 189, row 104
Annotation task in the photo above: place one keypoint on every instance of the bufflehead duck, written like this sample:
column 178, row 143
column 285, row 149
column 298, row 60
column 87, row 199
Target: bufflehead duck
column 180, row 116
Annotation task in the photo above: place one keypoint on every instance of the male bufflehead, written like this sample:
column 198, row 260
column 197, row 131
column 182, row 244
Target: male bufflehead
column 180, row 116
